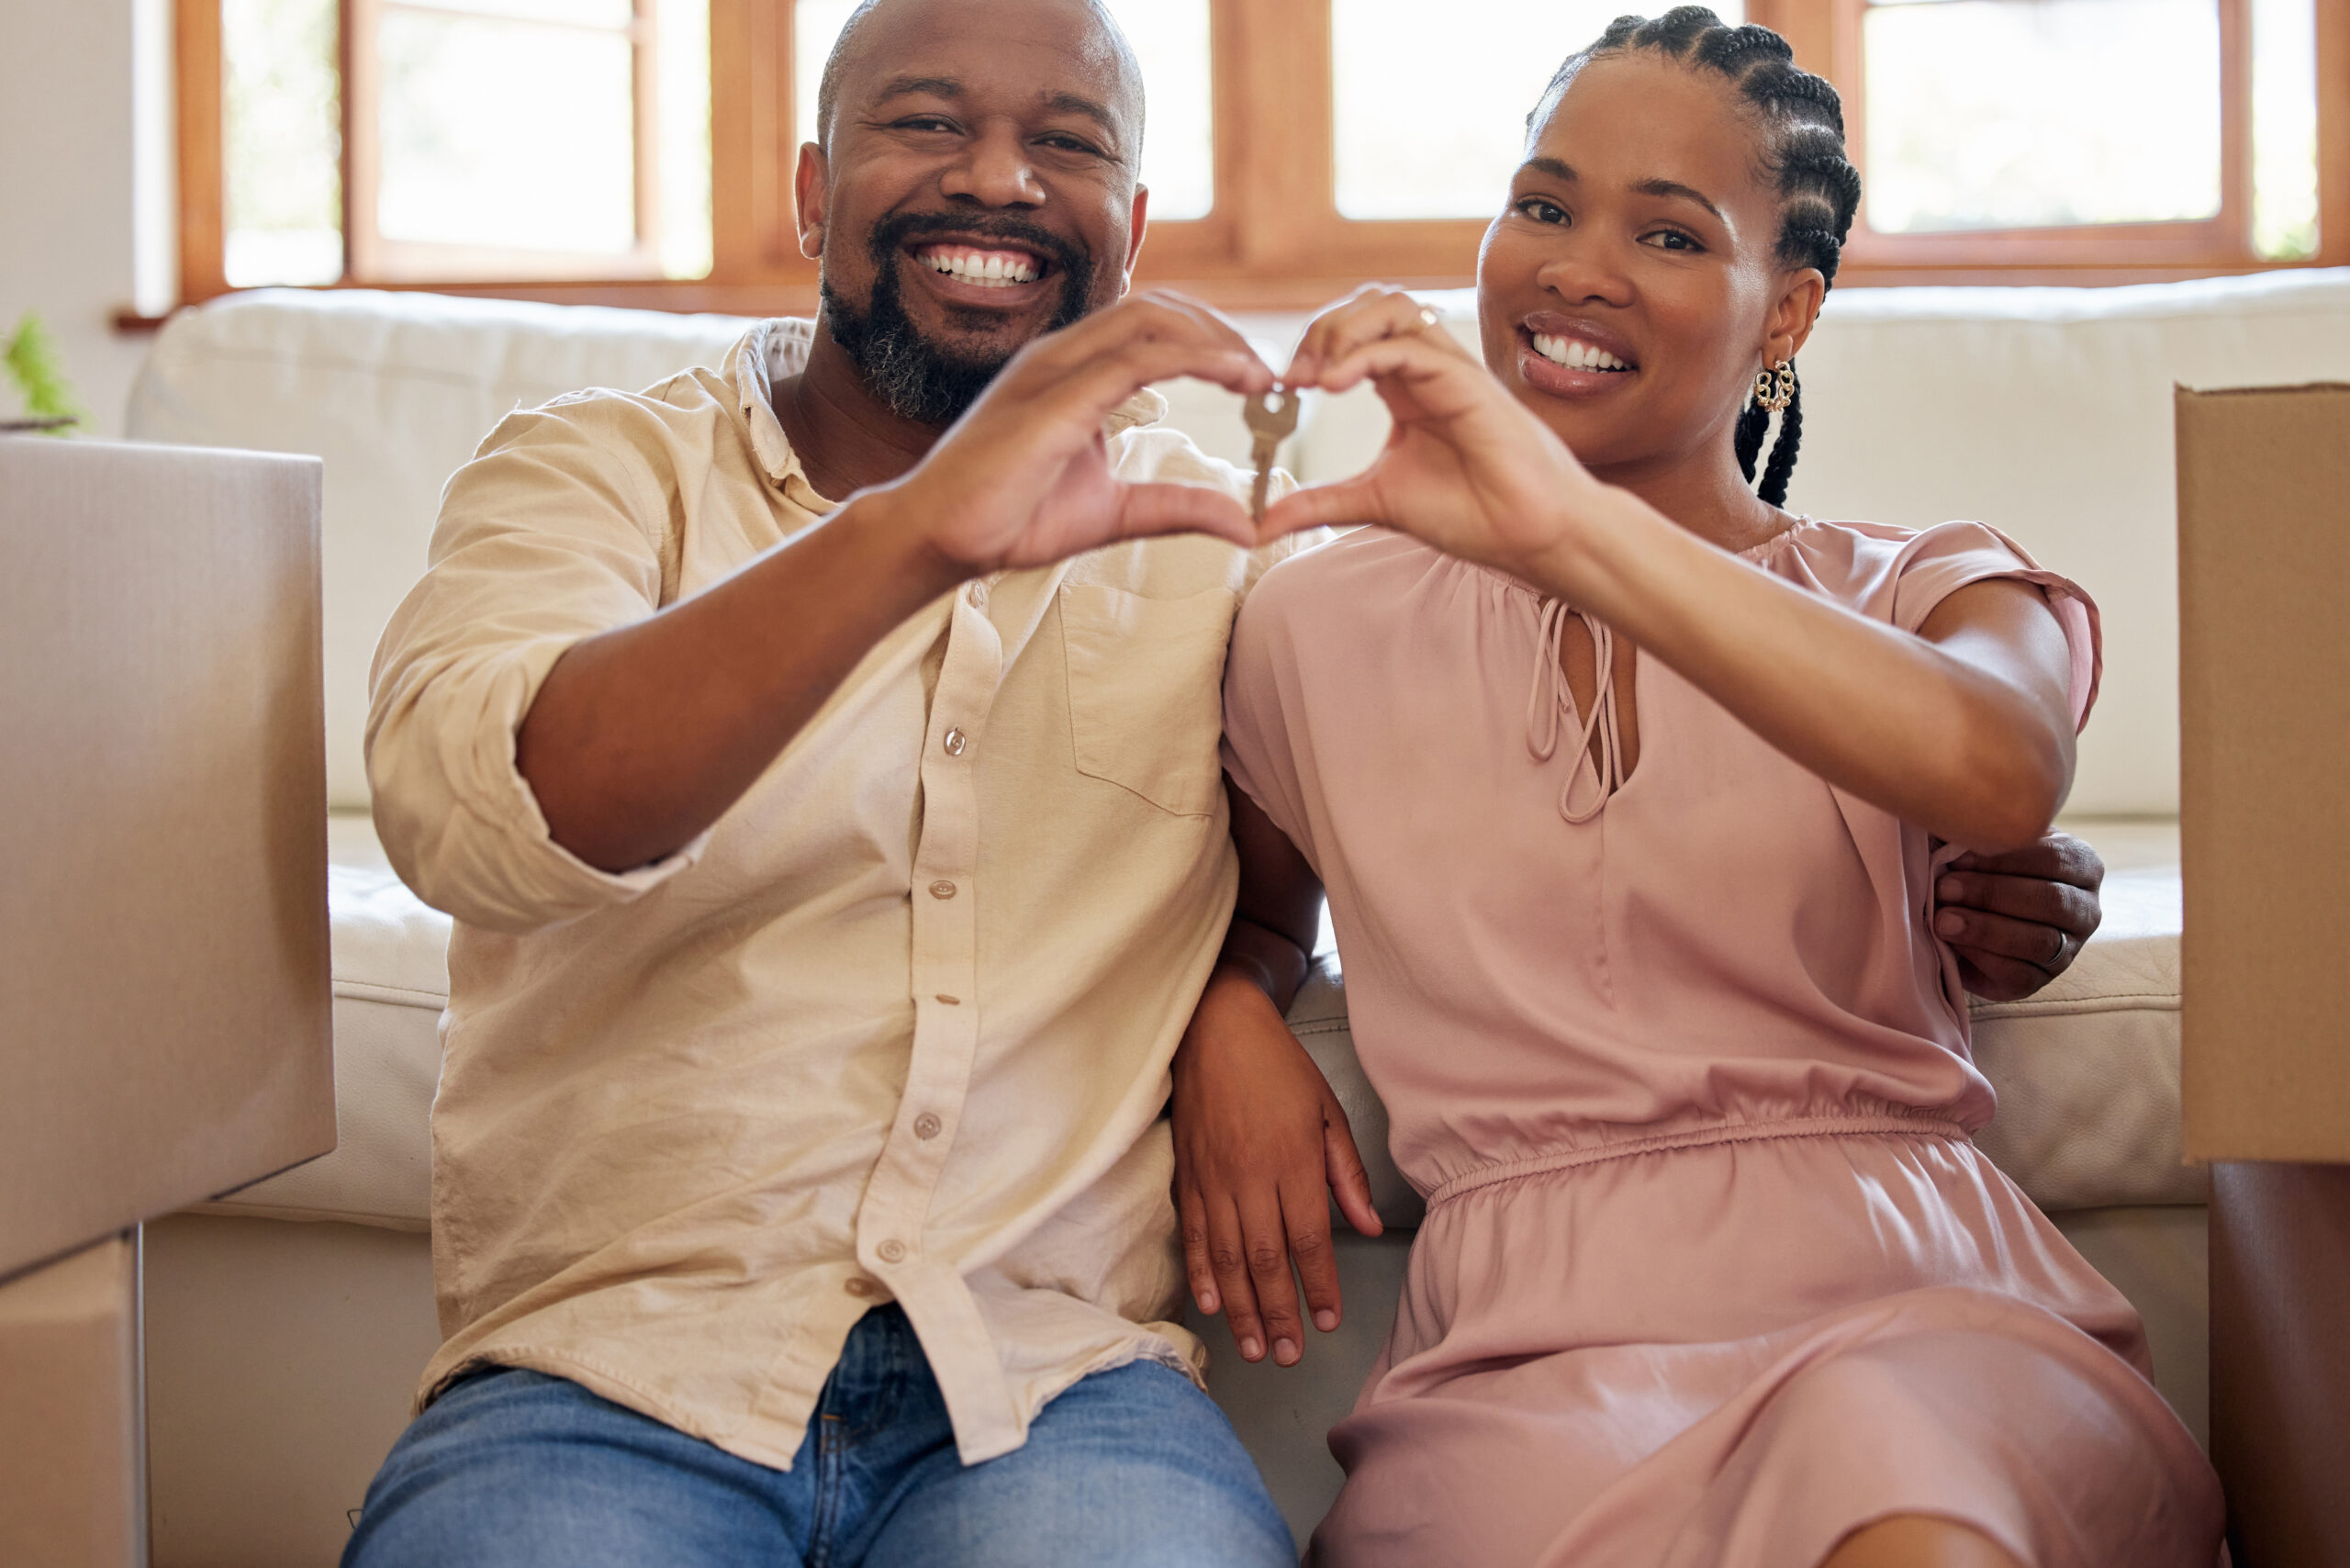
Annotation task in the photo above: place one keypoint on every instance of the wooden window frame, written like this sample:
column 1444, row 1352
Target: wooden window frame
column 371, row 259
column 1275, row 238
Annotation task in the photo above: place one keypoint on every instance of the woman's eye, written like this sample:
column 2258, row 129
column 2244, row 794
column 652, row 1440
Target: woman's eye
column 1542, row 212
column 1671, row 240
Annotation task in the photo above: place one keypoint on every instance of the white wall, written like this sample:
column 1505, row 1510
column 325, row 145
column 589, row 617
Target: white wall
column 70, row 192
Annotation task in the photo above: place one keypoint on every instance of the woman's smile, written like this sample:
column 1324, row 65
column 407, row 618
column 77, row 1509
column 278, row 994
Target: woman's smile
column 1573, row 357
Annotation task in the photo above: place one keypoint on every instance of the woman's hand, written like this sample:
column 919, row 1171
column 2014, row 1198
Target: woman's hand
column 1467, row 468
column 1260, row 1147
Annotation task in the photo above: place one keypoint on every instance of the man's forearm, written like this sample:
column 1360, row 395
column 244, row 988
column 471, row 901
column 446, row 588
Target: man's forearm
column 642, row 737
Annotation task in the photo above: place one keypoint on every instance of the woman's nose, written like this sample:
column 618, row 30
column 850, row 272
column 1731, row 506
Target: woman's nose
column 1583, row 271
column 994, row 170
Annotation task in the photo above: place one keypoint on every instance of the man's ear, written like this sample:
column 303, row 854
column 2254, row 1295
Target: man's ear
column 1141, row 220
column 810, row 185
column 1797, row 312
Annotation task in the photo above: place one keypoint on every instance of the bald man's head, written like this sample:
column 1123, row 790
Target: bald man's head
column 975, row 187
column 846, row 49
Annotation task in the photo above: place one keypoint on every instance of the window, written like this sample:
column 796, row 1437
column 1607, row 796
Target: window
column 1296, row 147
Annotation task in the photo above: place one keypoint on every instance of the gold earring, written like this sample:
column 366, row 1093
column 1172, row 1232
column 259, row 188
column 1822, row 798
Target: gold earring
column 1775, row 388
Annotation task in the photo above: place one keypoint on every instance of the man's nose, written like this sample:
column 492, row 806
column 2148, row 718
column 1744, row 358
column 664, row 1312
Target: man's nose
column 994, row 170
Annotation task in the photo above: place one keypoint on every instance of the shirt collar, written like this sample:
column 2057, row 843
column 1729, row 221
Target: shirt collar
column 779, row 347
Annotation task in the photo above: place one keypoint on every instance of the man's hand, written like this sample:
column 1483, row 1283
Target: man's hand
column 1260, row 1147
column 2019, row 919
column 1023, row 477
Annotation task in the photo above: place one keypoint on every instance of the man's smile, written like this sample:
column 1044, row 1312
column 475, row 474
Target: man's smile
column 981, row 273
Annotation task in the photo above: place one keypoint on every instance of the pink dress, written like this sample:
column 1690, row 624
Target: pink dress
column 1712, row 1272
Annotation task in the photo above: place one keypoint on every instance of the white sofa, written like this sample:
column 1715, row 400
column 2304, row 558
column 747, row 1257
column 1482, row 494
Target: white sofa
column 282, row 1355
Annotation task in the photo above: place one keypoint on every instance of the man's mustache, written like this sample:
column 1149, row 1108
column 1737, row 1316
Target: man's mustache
column 903, row 228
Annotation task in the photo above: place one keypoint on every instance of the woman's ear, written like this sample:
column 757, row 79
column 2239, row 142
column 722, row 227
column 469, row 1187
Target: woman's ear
column 808, row 193
column 1794, row 315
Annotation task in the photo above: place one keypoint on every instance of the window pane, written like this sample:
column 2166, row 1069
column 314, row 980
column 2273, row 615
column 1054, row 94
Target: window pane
column 1170, row 36
column 581, row 13
column 2026, row 114
column 684, row 62
column 283, row 123
column 2283, row 127
column 1431, row 116
column 507, row 135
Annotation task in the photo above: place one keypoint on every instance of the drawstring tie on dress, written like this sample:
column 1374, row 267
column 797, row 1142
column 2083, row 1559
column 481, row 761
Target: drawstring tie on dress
column 1551, row 699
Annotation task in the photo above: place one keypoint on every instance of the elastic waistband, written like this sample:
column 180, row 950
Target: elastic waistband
column 1696, row 1137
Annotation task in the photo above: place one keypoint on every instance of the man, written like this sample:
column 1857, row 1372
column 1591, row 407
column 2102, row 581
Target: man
column 834, row 883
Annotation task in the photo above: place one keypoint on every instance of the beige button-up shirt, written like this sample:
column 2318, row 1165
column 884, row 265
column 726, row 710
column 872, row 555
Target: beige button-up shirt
column 897, row 1026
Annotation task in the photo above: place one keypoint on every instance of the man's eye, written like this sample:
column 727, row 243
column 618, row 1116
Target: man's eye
column 1542, row 212
column 925, row 122
column 1061, row 141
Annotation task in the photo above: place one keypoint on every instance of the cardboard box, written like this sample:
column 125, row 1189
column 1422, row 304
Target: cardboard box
column 163, row 970
column 2264, row 573
column 72, row 1483
column 2263, row 570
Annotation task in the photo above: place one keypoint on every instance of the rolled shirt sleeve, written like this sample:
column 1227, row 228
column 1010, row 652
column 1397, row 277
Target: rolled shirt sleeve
column 552, row 535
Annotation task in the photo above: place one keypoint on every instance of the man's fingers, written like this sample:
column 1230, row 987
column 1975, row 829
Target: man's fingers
column 1267, row 1243
column 1305, row 1209
column 1980, row 931
column 1996, row 979
column 1149, row 509
column 2059, row 857
column 2071, row 910
column 1342, row 1166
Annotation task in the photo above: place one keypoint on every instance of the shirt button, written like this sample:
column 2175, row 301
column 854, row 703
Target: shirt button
column 942, row 889
column 892, row 1251
column 955, row 740
column 927, row 1125
column 979, row 596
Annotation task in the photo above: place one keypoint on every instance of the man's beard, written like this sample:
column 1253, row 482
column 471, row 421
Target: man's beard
column 917, row 378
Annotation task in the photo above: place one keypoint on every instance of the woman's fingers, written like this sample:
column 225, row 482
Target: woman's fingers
column 1266, row 1245
column 1339, row 504
column 1368, row 315
column 1343, row 1169
column 1228, row 1261
column 1305, row 1208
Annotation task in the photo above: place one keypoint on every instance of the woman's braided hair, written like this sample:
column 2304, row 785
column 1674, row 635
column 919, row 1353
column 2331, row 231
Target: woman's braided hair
column 1803, row 155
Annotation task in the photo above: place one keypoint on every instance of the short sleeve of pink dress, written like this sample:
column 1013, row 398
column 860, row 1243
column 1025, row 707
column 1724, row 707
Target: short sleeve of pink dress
column 1713, row 1272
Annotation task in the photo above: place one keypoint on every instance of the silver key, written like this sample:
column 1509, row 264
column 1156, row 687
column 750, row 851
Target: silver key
column 1271, row 418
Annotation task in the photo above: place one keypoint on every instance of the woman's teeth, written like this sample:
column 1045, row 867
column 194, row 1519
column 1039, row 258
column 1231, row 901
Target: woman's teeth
column 989, row 269
column 1575, row 354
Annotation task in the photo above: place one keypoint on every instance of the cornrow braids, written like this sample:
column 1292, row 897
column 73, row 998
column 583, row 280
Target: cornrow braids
column 1803, row 155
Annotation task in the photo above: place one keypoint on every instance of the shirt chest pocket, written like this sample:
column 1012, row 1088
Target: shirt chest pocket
column 1145, row 690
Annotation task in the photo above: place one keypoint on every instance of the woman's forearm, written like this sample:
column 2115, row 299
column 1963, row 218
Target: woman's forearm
column 1960, row 730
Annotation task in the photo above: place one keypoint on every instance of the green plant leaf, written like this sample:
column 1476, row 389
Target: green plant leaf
column 34, row 365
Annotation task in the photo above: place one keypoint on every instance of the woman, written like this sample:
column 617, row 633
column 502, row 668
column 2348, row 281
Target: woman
column 1628, row 789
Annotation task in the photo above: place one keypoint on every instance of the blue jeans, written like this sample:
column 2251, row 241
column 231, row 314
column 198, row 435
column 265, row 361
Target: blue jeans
column 513, row 1469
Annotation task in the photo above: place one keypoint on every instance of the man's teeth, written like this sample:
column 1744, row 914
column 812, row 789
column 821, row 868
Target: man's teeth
column 1576, row 354
column 989, row 269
